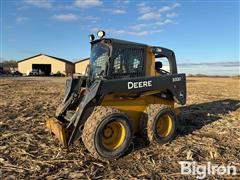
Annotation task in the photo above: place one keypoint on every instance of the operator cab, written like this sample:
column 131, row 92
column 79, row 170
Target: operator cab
column 116, row 59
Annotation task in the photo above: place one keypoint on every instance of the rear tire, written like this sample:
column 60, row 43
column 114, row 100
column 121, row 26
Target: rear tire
column 158, row 122
column 107, row 133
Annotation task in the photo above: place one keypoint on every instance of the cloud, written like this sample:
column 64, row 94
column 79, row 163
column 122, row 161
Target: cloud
column 149, row 15
column 65, row 17
column 143, row 8
column 118, row 11
column 176, row 5
column 171, row 15
column 127, row 32
column 91, row 18
column 21, row 19
column 87, row 3
column 142, row 4
column 24, row 7
column 164, row 9
column 151, row 26
column 139, row 27
column 166, row 21
column 155, row 18
column 73, row 17
column 39, row 3
column 114, row 11
column 65, row 6
column 168, row 8
column 126, row 1
column 121, row 1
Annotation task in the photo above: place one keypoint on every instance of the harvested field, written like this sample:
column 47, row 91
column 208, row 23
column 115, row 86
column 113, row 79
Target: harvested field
column 210, row 131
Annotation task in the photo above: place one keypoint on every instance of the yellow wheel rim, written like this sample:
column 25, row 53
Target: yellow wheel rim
column 164, row 125
column 113, row 135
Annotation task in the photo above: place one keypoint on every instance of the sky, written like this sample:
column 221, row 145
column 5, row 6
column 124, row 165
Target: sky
column 197, row 31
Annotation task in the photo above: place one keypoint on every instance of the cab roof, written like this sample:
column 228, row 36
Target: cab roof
column 119, row 41
column 131, row 43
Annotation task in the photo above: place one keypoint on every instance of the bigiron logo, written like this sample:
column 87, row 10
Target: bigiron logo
column 202, row 171
column 139, row 84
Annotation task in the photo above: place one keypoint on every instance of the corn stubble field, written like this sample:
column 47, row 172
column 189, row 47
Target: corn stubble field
column 209, row 131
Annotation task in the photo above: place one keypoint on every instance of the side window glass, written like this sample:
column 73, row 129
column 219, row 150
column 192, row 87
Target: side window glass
column 165, row 64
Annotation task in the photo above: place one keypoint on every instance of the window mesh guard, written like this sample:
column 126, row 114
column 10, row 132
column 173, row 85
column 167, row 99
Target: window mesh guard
column 128, row 63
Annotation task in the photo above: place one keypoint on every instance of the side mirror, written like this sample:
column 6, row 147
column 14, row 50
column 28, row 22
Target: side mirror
column 158, row 65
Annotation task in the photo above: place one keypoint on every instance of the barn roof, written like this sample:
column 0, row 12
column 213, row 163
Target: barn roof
column 60, row 59
column 81, row 60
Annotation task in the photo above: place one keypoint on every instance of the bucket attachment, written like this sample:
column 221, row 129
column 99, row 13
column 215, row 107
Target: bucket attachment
column 55, row 126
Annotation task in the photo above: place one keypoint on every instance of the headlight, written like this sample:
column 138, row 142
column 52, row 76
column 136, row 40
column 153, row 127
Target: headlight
column 100, row 34
column 91, row 37
column 158, row 50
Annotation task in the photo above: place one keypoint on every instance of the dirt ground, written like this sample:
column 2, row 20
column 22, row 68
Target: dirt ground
column 209, row 131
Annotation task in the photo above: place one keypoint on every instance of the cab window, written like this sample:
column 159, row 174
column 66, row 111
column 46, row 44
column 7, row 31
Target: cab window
column 129, row 63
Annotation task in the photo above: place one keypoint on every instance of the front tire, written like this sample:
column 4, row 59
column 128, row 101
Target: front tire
column 107, row 133
column 158, row 122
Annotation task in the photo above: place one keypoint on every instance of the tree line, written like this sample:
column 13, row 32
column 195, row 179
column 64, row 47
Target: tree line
column 9, row 64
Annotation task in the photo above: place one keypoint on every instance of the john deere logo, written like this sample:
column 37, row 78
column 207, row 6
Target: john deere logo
column 139, row 84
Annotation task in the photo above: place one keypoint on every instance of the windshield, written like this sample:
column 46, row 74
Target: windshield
column 98, row 59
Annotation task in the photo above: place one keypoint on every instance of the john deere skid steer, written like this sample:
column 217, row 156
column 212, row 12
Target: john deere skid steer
column 125, row 91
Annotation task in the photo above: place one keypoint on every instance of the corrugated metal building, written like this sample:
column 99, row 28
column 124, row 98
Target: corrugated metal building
column 80, row 66
column 47, row 64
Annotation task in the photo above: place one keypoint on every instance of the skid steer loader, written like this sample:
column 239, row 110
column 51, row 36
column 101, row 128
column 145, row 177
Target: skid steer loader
column 124, row 91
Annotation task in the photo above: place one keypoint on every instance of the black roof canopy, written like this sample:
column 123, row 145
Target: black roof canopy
column 119, row 41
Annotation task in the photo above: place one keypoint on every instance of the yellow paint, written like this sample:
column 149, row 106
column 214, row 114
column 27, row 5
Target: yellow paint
column 25, row 67
column 150, row 63
column 164, row 125
column 80, row 67
column 58, row 129
column 133, row 107
column 114, row 135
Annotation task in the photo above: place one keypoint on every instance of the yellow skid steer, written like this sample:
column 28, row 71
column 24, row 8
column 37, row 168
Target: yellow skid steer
column 124, row 91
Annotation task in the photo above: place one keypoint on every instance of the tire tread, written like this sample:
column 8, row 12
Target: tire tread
column 147, row 120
